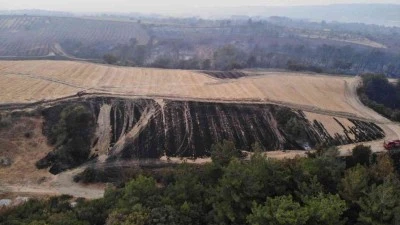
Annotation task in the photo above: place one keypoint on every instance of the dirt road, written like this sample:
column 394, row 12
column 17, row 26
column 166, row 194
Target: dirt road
column 60, row 184
column 391, row 129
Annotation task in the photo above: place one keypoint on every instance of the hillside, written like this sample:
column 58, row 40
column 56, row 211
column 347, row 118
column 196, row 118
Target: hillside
column 47, row 80
column 41, row 36
column 51, row 83
column 145, row 113
column 204, row 44
column 349, row 13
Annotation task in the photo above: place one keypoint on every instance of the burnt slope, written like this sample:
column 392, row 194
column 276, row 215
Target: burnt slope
column 145, row 128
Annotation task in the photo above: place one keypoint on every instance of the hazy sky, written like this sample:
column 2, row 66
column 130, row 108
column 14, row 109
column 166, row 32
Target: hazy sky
column 157, row 5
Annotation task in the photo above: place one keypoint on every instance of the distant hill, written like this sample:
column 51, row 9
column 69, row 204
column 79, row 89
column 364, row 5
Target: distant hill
column 381, row 14
column 36, row 12
column 41, row 36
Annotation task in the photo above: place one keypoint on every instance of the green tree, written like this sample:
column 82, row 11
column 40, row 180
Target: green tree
column 139, row 191
column 242, row 184
column 72, row 137
column 281, row 210
column 164, row 215
column 65, row 218
column 354, row 183
column 327, row 167
column 206, row 64
column 361, row 154
column 325, row 209
column 382, row 168
column 223, row 152
column 110, row 58
column 232, row 198
column 186, row 188
column 381, row 204
column 296, row 128
column 137, row 216
column 163, row 62
column 229, row 57
column 307, row 187
column 96, row 211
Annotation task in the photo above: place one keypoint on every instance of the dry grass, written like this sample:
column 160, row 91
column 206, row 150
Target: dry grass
column 26, row 81
column 353, row 40
column 30, row 81
column 23, row 151
column 22, row 177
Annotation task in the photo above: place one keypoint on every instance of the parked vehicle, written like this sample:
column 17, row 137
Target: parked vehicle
column 391, row 145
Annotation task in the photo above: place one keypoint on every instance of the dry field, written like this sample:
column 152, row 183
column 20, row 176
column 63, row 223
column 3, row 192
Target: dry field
column 359, row 41
column 30, row 81
column 322, row 97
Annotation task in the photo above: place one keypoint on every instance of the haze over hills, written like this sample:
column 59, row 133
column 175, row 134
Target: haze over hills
column 379, row 14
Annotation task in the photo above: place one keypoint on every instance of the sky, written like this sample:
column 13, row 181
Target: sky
column 147, row 6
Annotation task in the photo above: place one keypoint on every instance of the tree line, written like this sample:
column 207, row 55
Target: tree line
column 319, row 189
column 296, row 57
column 378, row 93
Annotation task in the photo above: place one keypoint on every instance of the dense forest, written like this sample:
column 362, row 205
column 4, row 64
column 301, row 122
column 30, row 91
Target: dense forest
column 320, row 189
column 378, row 93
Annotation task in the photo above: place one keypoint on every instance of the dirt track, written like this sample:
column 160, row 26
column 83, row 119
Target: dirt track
column 392, row 129
column 61, row 184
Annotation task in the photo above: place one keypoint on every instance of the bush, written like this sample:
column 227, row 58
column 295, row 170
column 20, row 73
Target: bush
column 223, row 152
column 300, row 67
column 28, row 134
column 71, row 133
column 229, row 57
column 5, row 162
column 110, row 59
column 90, row 175
column 5, row 120
column 361, row 154
column 291, row 124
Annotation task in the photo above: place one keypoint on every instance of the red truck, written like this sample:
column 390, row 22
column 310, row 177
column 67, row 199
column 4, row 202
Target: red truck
column 392, row 145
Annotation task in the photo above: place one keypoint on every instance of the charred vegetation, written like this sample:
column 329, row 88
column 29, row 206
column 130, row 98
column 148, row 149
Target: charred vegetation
column 144, row 129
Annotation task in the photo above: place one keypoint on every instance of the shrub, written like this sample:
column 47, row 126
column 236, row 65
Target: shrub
column 72, row 136
column 361, row 154
column 5, row 162
column 223, row 152
column 5, row 120
column 110, row 58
